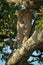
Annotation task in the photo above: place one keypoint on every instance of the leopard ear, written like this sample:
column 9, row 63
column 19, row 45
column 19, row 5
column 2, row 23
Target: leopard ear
column 17, row 12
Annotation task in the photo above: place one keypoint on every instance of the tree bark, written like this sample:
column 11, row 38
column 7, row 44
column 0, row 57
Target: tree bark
column 15, row 1
column 22, row 54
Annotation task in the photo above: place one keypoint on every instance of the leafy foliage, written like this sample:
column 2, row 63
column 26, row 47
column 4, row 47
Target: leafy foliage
column 8, row 19
column 39, row 23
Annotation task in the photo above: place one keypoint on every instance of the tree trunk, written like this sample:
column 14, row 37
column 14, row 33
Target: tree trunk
column 22, row 54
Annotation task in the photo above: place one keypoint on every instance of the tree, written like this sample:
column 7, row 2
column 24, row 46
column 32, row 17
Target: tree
column 27, row 37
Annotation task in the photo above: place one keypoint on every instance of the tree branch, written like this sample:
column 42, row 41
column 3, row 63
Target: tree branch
column 28, row 47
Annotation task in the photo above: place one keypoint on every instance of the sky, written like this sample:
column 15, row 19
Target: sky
column 7, row 50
